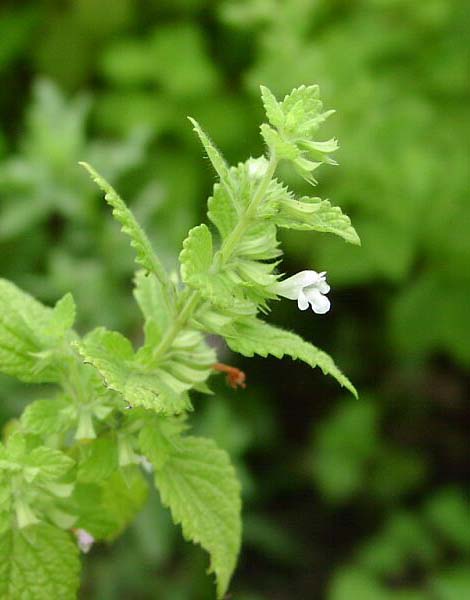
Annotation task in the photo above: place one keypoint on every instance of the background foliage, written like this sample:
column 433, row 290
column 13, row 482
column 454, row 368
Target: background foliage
column 344, row 499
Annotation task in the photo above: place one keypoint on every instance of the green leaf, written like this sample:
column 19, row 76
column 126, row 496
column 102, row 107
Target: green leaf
column 141, row 385
column 145, row 254
column 124, row 494
column 64, row 313
column 48, row 416
column 152, row 300
column 159, row 437
column 196, row 256
column 45, row 464
column 39, row 562
column 107, row 508
column 98, row 461
column 253, row 336
column 222, row 211
column 294, row 121
column 315, row 214
column 282, row 148
column 303, row 111
column 213, row 153
column 272, row 108
column 30, row 334
column 199, row 485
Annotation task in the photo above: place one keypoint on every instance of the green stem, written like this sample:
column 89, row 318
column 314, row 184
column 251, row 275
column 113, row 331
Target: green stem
column 232, row 240
column 192, row 298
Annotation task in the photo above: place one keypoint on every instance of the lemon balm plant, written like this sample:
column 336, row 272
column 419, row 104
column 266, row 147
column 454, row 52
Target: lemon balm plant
column 74, row 469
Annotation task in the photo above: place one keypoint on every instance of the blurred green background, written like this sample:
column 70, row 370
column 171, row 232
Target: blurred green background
column 343, row 499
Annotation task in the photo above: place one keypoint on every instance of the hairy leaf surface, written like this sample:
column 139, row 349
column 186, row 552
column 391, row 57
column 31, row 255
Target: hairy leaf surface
column 199, row 485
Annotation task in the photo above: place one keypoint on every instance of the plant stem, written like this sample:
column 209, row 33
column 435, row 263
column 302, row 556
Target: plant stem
column 232, row 240
column 191, row 298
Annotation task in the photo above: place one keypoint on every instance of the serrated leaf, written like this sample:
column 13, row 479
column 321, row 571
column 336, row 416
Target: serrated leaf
column 295, row 120
column 281, row 147
column 29, row 334
column 152, row 300
column 145, row 254
column 124, row 494
column 199, row 485
column 222, row 211
column 46, row 464
column 39, row 562
column 158, row 439
column 214, row 155
column 106, row 509
column 196, row 256
column 64, row 314
column 253, row 336
column 272, row 108
column 141, row 385
column 314, row 214
column 98, row 460
column 47, row 416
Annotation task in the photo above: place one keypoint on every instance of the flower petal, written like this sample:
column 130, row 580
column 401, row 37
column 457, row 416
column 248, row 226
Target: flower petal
column 320, row 304
column 290, row 287
column 302, row 301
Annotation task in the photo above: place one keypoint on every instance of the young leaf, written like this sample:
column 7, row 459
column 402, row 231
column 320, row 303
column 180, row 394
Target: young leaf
column 199, row 485
column 222, row 211
column 39, row 562
column 253, row 336
column 272, row 108
column 98, row 461
column 107, row 508
column 196, row 256
column 30, row 333
column 48, row 416
column 45, row 464
column 145, row 254
column 314, row 214
column 213, row 153
column 152, row 300
column 140, row 385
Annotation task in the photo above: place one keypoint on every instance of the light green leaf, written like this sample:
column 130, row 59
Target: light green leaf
column 141, row 385
column 214, row 155
column 273, row 108
column 124, row 494
column 64, row 313
column 48, row 416
column 281, row 147
column 152, row 300
column 303, row 111
column 145, row 254
column 30, row 333
column 39, row 562
column 106, row 509
column 45, row 464
column 199, row 485
column 159, row 438
column 222, row 211
column 196, row 256
column 315, row 214
column 253, row 336
column 295, row 120
column 98, row 460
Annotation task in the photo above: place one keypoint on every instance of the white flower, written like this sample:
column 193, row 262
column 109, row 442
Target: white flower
column 144, row 462
column 85, row 540
column 307, row 287
column 257, row 167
